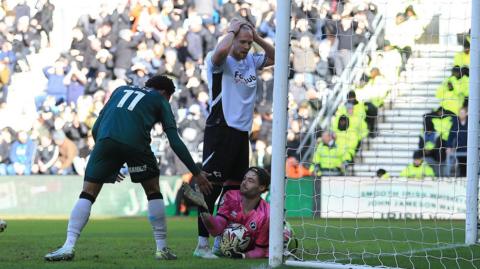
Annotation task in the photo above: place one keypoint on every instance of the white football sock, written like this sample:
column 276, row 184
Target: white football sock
column 156, row 216
column 203, row 241
column 78, row 220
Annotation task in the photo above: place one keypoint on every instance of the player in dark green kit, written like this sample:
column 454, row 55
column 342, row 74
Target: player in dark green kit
column 122, row 135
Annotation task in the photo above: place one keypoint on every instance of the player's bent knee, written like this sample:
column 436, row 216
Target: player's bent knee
column 88, row 196
column 154, row 196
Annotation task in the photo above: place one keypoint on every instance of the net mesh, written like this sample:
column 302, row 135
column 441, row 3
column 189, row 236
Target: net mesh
column 376, row 145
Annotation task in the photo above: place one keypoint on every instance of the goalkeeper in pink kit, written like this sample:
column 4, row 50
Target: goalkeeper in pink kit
column 244, row 206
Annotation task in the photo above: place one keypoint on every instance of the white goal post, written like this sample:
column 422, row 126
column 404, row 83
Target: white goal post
column 279, row 132
column 471, row 223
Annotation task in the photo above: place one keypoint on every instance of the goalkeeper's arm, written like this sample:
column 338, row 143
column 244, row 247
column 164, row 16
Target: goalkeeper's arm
column 214, row 224
column 257, row 253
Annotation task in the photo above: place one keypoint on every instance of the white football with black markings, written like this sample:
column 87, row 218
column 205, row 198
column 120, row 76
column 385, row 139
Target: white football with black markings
column 3, row 225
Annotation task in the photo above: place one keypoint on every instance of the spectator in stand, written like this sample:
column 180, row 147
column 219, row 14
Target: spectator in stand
column 262, row 156
column 107, row 38
column 294, row 169
column 120, row 18
column 45, row 17
column 348, row 40
column 22, row 153
column 464, row 85
column 28, row 37
column 356, row 112
column 403, row 34
column 8, row 56
column 89, row 23
column 381, row 173
column 437, row 125
column 194, row 39
column 46, row 155
column 373, row 95
column 21, row 10
column 298, row 89
column 304, row 58
column 67, row 153
column 80, row 162
column 55, row 85
column 457, row 142
column 328, row 158
column 125, row 52
column 267, row 124
column 103, row 71
column 327, row 49
column 450, row 92
column 418, row 169
column 462, row 58
column 4, row 81
column 346, row 139
column 293, row 142
column 74, row 129
column 265, row 88
column 171, row 67
column 5, row 145
column 75, row 81
column 388, row 62
column 139, row 75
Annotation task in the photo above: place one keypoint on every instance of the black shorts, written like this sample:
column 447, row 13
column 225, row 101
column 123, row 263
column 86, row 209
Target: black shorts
column 225, row 153
column 108, row 157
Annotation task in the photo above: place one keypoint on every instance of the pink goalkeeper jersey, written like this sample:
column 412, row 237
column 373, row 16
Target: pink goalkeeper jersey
column 256, row 221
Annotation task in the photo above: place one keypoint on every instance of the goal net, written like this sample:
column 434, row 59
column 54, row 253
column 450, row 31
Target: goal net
column 377, row 134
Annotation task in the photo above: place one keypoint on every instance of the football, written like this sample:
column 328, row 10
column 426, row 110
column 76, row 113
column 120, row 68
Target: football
column 3, row 225
column 235, row 237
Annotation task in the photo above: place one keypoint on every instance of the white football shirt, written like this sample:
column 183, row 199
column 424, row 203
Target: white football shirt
column 233, row 87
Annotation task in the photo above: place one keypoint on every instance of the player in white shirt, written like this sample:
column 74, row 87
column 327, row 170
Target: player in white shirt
column 232, row 80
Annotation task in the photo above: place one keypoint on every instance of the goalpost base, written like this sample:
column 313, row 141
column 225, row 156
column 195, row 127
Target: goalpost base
column 327, row 265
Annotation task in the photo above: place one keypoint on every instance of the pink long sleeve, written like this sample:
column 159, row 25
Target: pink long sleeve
column 257, row 253
column 215, row 224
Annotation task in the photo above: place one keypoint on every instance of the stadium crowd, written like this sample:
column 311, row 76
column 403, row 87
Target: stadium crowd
column 136, row 39
column 141, row 38
column 356, row 119
column 443, row 141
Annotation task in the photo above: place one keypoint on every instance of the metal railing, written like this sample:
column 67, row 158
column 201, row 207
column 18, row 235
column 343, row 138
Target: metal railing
column 332, row 100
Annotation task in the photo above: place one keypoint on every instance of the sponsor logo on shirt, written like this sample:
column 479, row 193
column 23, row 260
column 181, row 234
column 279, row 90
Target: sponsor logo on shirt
column 239, row 78
column 233, row 214
column 137, row 169
column 253, row 225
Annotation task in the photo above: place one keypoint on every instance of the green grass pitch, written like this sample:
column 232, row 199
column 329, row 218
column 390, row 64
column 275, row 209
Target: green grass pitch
column 128, row 243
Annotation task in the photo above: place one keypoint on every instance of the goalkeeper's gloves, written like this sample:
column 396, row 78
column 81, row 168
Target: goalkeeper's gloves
column 195, row 196
column 231, row 253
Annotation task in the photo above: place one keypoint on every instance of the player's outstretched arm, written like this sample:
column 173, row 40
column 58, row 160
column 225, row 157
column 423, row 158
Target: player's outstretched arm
column 214, row 224
column 182, row 152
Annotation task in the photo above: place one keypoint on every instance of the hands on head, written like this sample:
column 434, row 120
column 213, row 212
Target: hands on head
column 237, row 23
